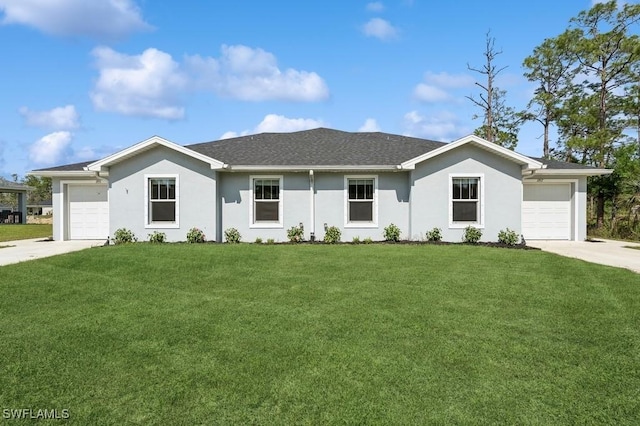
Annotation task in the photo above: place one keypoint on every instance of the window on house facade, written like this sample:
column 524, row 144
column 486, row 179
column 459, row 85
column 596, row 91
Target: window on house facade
column 266, row 201
column 162, row 201
column 465, row 200
column 361, row 201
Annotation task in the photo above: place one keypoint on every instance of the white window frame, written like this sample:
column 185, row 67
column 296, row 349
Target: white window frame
column 160, row 225
column 274, row 224
column 480, row 222
column 347, row 223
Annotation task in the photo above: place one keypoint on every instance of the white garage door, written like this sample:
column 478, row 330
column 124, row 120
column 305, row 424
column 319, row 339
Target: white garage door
column 546, row 211
column 88, row 212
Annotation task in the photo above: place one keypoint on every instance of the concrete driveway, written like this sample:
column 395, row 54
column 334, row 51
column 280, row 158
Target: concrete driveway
column 23, row 250
column 604, row 252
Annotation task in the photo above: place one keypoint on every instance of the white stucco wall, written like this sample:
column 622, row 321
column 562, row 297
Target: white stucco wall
column 197, row 194
column 502, row 184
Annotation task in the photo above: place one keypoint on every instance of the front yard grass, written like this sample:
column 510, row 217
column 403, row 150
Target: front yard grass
column 316, row 334
column 11, row 232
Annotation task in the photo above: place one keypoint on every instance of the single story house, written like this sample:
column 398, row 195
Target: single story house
column 265, row 184
column 40, row 208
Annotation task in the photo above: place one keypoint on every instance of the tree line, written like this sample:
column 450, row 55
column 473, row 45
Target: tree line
column 587, row 91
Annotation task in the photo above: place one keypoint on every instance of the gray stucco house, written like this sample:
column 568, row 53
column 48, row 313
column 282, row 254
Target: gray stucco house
column 360, row 182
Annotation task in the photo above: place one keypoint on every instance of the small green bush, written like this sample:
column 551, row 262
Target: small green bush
column 332, row 235
column 157, row 237
column 232, row 235
column 258, row 240
column 296, row 234
column 471, row 235
column 434, row 235
column 392, row 233
column 195, row 235
column 367, row 240
column 355, row 240
column 508, row 237
column 124, row 236
column 271, row 241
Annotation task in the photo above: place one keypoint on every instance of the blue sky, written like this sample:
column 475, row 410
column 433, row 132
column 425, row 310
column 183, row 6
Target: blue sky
column 82, row 79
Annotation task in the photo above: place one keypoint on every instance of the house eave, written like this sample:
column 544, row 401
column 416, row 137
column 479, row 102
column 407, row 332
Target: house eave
column 63, row 173
column 534, row 174
column 306, row 168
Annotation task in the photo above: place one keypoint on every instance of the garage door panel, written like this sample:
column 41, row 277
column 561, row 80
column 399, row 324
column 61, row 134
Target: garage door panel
column 88, row 212
column 546, row 212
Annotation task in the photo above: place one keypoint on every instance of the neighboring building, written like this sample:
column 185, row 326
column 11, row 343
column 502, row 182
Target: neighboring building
column 360, row 182
column 17, row 214
column 40, row 208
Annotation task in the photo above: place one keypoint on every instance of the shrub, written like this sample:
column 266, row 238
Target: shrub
column 258, row 240
column 434, row 235
column 232, row 235
column 195, row 235
column 508, row 237
column 392, row 233
column 157, row 237
column 124, row 236
column 332, row 235
column 296, row 234
column 471, row 235
column 271, row 241
column 355, row 240
column 367, row 240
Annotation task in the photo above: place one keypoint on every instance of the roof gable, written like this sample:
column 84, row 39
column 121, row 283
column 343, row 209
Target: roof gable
column 477, row 141
column 147, row 145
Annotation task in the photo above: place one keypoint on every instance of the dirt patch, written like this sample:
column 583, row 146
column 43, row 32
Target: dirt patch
column 48, row 220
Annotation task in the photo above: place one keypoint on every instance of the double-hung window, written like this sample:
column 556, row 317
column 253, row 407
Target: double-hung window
column 361, row 198
column 162, row 201
column 266, row 201
column 466, row 200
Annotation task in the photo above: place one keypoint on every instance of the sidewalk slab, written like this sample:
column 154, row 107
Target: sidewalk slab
column 24, row 250
column 601, row 251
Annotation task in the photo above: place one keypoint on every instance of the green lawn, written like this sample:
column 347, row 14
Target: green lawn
column 10, row 232
column 315, row 334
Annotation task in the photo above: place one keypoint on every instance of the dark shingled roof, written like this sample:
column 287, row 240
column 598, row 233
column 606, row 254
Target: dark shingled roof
column 317, row 147
column 13, row 186
column 555, row 164
column 67, row 167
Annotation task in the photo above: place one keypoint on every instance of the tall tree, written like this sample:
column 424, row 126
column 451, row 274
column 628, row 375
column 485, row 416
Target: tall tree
column 606, row 54
column 500, row 122
column 550, row 66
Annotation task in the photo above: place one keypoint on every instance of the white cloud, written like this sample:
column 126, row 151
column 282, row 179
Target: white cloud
column 250, row 74
column 443, row 126
column 427, row 93
column 447, row 80
column 153, row 84
column 434, row 85
column 281, row 124
column 148, row 85
column 61, row 118
column 379, row 28
column 370, row 125
column 51, row 148
column 101, row 19
column 273, row 123
column 375, row 6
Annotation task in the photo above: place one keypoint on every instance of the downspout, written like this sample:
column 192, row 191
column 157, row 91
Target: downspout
column 312, row 203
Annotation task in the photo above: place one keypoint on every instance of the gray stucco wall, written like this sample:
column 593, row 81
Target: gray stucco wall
column 235, row 205
column 430, row 193
column 197, row 194
column 56, row 202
